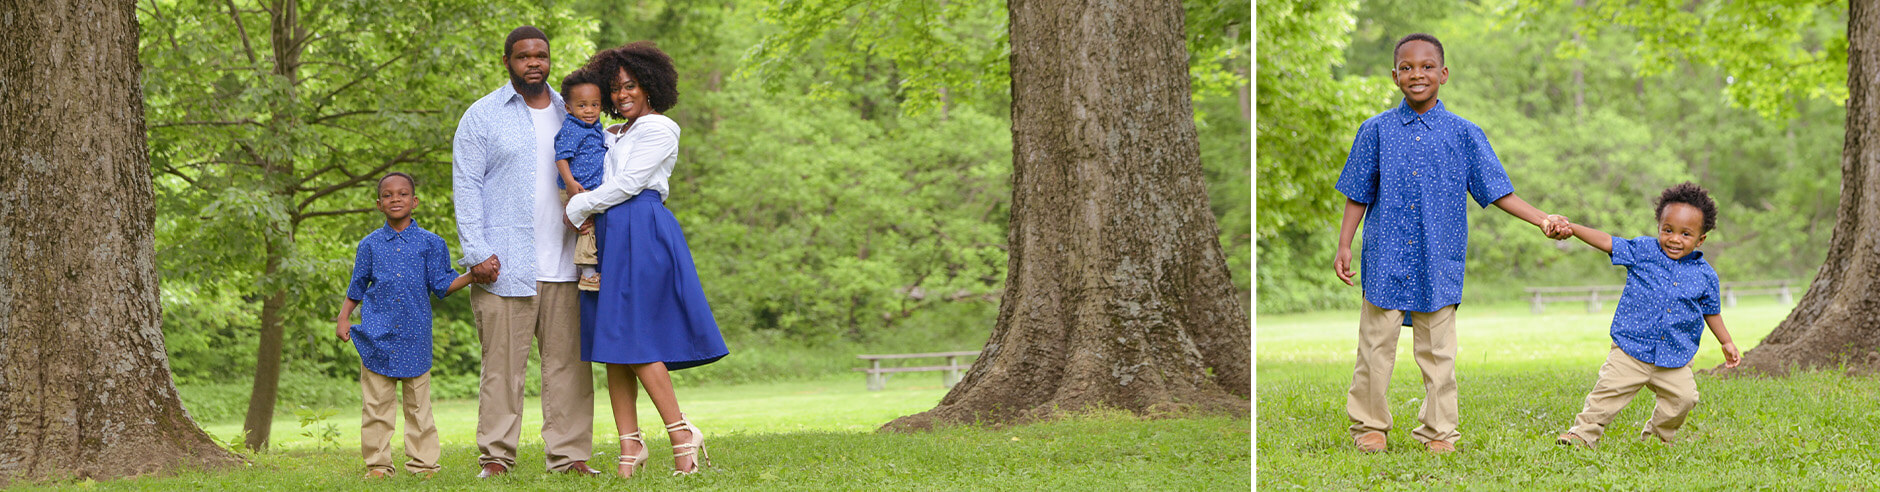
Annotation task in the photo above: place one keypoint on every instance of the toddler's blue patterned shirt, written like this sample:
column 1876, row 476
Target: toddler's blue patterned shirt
column 585, row 147
column 1661, row 314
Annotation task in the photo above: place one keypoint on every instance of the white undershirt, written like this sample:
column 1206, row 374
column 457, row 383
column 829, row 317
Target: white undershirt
column 554, row 242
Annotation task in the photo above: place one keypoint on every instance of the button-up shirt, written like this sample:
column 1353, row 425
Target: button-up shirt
column 1661, row 314
column 640, row 160
column 493, row 181
column 1412, row 171
column 584, row 146
column 392, row 272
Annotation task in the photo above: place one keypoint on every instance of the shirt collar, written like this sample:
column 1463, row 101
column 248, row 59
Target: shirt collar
column 507, row 94
column 1407, row 115
column 386, row 233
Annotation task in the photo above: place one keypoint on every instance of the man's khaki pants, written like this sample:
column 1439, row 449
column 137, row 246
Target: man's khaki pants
column 1619, row 379
column 1368, row 404
column 380, row 394
column 505, row 326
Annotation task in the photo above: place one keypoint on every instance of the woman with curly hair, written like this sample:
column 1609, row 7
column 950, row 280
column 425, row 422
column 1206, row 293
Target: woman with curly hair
column 650, row 315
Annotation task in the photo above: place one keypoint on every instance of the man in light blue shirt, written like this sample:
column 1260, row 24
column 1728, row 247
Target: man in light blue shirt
column 510, row 227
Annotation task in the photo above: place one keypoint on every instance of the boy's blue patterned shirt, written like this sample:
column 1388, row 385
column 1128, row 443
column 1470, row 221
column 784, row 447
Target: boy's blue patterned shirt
column 1412, row 171
column 585, row 148
column 392, row 273
column 1661, row 314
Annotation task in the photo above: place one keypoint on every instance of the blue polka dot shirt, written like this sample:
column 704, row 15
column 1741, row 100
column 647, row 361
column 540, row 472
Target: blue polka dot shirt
column 584, row 146
column 1661, row 314
column 392, row 273
column 1412, row 171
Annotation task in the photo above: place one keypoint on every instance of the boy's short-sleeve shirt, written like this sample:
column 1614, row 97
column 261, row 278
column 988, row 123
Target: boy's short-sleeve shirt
column 393, row 271
column 1661, row 314
column 585, row 148
column 1414, row 172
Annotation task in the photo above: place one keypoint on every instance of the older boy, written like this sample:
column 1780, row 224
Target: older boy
column 1408, row 170
column 1670, row 295
column 393, row 270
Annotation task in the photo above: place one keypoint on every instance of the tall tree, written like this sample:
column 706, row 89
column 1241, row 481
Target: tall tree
column 1834, row 323
column 271, row 115
column 1117, row 292
column 85, row 387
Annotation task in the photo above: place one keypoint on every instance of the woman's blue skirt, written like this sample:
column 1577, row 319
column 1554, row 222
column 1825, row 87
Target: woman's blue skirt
column 650, row 307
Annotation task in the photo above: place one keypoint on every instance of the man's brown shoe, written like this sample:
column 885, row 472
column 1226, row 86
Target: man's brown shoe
column 1371, row 442
column 580, row 468
column 1440, row 447
column 1571, row 439
column 492, row 469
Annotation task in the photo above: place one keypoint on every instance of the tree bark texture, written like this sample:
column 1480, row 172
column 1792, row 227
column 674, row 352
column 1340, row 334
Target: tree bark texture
column 1117, row 292
column 85, row 388
column 1838, row 321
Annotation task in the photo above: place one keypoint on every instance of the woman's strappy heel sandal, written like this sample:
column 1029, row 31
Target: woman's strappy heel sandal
column 695, row 444
column 635, row 461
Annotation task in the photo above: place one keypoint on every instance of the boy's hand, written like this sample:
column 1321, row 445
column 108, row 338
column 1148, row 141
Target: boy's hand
column 1730, row 356
column 1557, row 227
column 345, row 330
column 587, row 226
column 576, row 189
column 1341, row 265
column 486, row 272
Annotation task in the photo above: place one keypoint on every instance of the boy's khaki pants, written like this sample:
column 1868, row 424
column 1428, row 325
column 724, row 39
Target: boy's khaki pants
column 1619, row 379
column 380, row 394
column 1368, row 403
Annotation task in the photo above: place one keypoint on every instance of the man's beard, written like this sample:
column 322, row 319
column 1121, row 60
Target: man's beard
column 525, row 88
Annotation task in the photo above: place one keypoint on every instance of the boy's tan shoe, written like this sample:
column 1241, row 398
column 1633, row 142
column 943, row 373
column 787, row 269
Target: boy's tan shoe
column 590, row 283
column 375, row 473
column 1371, row 442
column 1440, row 447
column 1571, row 439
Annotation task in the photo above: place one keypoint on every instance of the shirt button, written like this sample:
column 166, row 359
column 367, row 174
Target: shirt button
column 1674, row 283
column 1419, row 139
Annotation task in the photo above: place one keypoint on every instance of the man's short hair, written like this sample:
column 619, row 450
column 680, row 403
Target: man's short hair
column 521, row 33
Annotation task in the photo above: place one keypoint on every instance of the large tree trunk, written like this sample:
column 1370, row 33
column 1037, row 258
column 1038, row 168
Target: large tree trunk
column 1838, row 320
column 1117, row 293
column 85, row 387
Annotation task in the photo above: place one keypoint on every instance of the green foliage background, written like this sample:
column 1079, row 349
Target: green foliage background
column 1739, row 98
column 845, row 188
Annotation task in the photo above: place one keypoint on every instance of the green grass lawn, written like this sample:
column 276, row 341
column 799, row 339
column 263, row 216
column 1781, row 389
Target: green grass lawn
column 812, row 435
column 1522, row 379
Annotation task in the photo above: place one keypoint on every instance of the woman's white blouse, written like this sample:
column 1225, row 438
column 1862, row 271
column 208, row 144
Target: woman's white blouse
column 640, row 159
